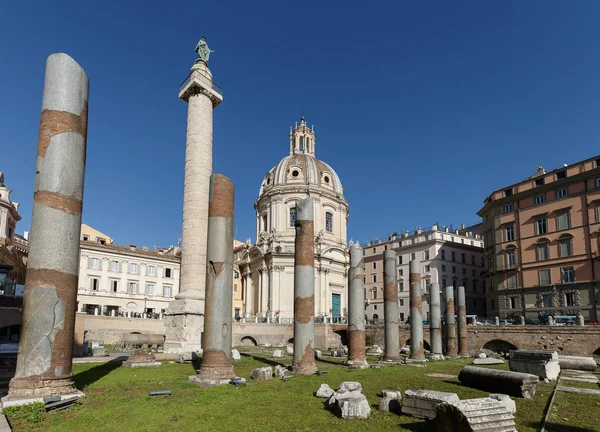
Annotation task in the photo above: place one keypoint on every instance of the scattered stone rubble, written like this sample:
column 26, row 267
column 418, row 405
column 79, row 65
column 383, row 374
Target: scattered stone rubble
column 278, row 353
column 348, row 402
column 280, row 371
column 542, row 363
column 391, row 401
column 471, row 415
column 509, row 403
column 99, row 351
column 325, row 391
column 423, row 403
column 262, row 374
column 235, row 354
column 483, row 361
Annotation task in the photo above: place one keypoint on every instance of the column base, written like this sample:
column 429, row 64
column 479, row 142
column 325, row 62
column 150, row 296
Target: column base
column 357, row 364
column 215, row 373
column 141, row 364
column 305, row 368
column 435, row 357
column 29, row 390
column 184, row 324
column 206, row 383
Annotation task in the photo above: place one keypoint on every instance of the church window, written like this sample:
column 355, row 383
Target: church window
column 329, row 222
column 292, row 217
column 264, row 219
column 301, row 144
column 295, row 173
column 326, row 178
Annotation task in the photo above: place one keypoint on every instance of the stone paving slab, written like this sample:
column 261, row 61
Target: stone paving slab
column 441, row 375
column 578, row 390
column 593, row 380
column 4, row 427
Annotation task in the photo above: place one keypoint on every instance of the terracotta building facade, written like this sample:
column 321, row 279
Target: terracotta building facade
column 542, row 244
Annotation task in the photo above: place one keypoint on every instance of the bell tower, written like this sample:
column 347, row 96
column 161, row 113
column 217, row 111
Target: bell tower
column 302, row 139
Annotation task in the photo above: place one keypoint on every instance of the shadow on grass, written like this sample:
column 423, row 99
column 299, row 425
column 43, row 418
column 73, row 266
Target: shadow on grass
column 554, row 427
column 423, row 426
column 90, row 376
column 333, row 362
column 263, row 360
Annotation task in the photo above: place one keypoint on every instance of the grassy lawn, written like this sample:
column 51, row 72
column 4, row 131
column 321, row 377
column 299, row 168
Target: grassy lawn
column 117, row 400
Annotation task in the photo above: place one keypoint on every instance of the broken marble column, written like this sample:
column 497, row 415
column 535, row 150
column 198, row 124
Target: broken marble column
column 217, row 366
column 577, row 363
column 356, row 309
column 424, row 403
column 390, row 307
column 416, row 313
column 542, row 363
column 304, row 289
column 499, row 381
column 473, row 415
column 463, row 338
column 451, row 348
column 435, row 321
column 50, row 301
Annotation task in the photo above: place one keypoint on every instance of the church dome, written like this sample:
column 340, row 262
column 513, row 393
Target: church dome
column 301, row 167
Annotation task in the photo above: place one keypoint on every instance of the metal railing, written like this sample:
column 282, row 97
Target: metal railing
column 207, row 80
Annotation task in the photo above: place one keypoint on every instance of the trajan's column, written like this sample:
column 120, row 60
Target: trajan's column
column 185, row 315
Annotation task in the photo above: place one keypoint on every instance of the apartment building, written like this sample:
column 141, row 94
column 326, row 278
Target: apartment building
column 542, row 243
column 446, row 256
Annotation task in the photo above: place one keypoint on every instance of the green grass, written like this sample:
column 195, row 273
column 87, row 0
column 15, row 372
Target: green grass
column 117, row 399
column 574, row 413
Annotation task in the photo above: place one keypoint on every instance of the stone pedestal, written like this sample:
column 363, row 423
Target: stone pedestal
column 184, row 323
column 141, row 358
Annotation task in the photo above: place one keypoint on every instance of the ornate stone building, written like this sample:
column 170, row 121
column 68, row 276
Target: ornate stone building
column 267, row 267
column 13, row 247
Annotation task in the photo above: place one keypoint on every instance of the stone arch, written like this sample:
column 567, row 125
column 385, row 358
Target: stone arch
column 426, row 345
column 248, row 341
column 498, row 346
column 343, row 334
column 290, row 340
column 596, row 353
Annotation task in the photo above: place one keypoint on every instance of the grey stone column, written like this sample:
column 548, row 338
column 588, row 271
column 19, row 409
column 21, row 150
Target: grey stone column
column 217, row 367
column 416, row 313
column 390, row 307
column 463, row 338
column 435, row 321
column 184, row 322
column 451, row 348
column 356, row 309
column 304, row 289
column 50, row 301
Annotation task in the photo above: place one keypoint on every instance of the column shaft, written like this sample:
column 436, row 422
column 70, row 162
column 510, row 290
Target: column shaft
column 416, row 313
column 50, row 301
column 463, row 340
column 390, row 307
column 356, row 309
column 435, row 319
column 304, row 289
column 216, row 356
column 451, row 349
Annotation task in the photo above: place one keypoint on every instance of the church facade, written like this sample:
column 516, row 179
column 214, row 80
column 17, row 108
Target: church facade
column 267, row 267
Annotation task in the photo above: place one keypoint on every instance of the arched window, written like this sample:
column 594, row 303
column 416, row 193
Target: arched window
column 329, row 222
column 301, row 144
column 565, row 246
column 543, row 250
column 292, row 217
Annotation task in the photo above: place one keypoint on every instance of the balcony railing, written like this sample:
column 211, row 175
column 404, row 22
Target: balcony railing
column 203, row 77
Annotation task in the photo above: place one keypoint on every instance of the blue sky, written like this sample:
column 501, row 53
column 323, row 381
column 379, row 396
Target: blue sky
column 422, row 108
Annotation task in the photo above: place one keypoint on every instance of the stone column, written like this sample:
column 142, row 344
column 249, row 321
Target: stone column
column 304, row 289
column 50, row 301
column 217, row 367
column 185, row 315
column 390, row 307
column 416, row 313
column 356, row 309
column 435, row 321
column 451, row 349
column 463, row 338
